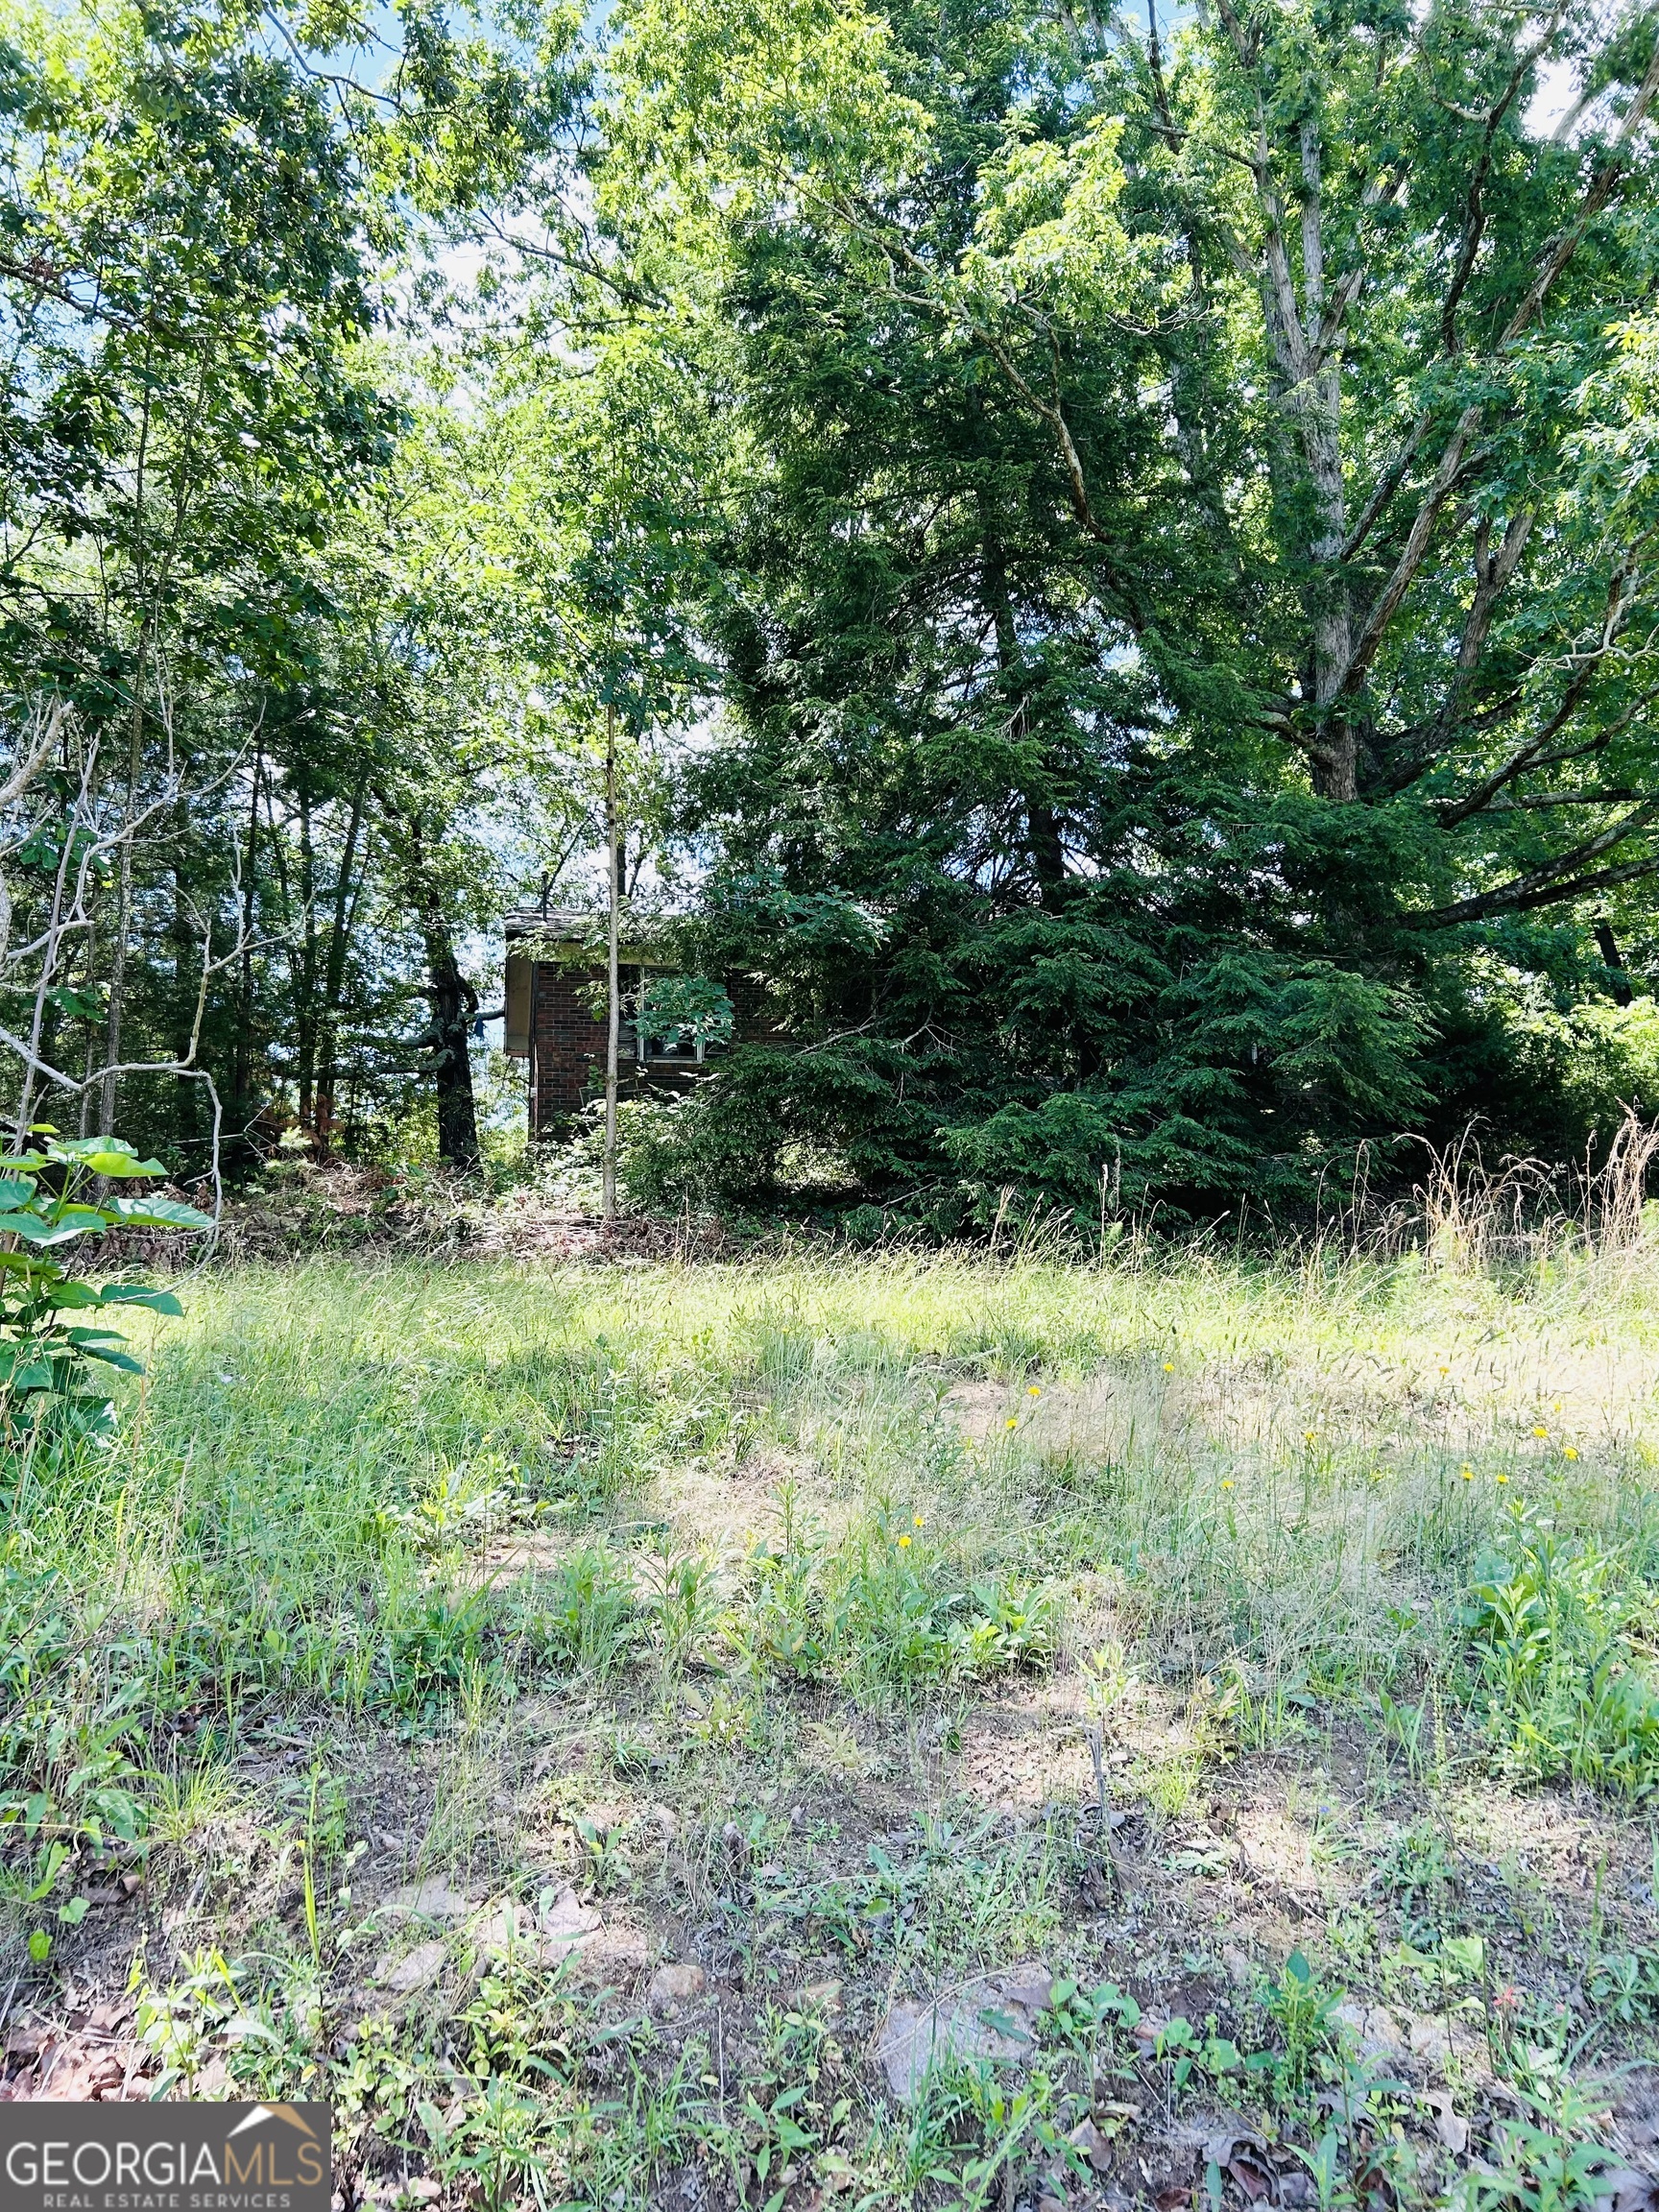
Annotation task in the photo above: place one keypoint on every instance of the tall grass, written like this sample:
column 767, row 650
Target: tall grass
column 1287, row 1476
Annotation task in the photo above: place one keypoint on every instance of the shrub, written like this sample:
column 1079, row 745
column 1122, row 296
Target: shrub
column 52, row 1366
column 1558, row 1681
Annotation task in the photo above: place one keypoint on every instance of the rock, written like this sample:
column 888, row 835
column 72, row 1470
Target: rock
column 1429, row 2038
column 611, row 1956
column 415, row 1970
column 820, row 1997
column 663, row 1819
column 1373, row 2027
column 508, row 1931
column 566, row 1925
column 1025, row 1988
column 675, row 1985
column 991, row 2018
column 1239, row 1966
column 430, row 1899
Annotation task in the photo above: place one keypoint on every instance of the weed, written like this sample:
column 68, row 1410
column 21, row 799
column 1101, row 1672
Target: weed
column 1624, row 1986
column 1558, row 1680
column 1303, row 2012
column 684, row 1606
column 583, row 1617
column 1549, row 2160
column 292, row 1548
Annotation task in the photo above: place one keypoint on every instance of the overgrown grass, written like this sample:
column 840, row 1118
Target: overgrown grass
column 1296, row 1476
column 741, row 1515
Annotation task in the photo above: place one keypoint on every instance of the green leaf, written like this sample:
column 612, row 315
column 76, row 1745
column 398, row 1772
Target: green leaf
column 74, row 1912
column 113, row 1164
column 122, row 1360
column 33, row 1231
column 15, row 1190
column 139, row 1294
column 158, row 1214
column 43, row 1273
column 95, row 1336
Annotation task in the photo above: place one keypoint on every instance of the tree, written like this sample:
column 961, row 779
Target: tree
column 196, row 214
column 606, row 472
column 1189, row 608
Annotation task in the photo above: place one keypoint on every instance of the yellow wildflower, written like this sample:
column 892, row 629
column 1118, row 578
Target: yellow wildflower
column 918, row 1520
column 1568, row 1452
column 1168, row 1366
column 1226, row 1482
column 1012, row 1423
column 1468, row 1474
column 1503, row 1478
column 1032, row 1390
column 903, row 1543
column 1540, row 1432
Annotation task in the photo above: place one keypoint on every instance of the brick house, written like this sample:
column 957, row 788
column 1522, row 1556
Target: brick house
column 555, row 1016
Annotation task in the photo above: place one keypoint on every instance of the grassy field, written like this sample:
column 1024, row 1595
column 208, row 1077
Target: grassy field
column 823, row 1731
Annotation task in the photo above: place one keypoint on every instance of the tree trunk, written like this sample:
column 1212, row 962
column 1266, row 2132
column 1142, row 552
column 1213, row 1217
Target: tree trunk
column 1309, row 363
column 305, row 991
column 1042, row 825
column 185, row 984
column 454, row 1004
column 613, row 970
column 242, row 1075
column 122, row 925
column 1618, row 977
column 334, row 977
column 1336, row 759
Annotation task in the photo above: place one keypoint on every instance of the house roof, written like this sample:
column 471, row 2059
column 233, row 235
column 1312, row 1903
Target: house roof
column 565, row 924
column 569, row 931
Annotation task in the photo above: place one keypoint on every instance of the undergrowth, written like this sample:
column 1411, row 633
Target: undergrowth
column 742, row 1523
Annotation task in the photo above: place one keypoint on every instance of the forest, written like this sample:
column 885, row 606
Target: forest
column 1101, row 570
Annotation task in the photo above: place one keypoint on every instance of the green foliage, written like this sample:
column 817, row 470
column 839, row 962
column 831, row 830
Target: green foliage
column 1302, row 2011
column 1138, row 785
column 583, row 1616
column 883, row 1612
column 51, row 1363
column 1562, row 1689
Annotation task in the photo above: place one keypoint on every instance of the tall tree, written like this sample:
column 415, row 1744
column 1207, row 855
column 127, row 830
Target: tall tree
column 1197, row 636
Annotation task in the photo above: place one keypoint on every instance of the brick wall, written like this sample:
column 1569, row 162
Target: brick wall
column 567, row 1042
